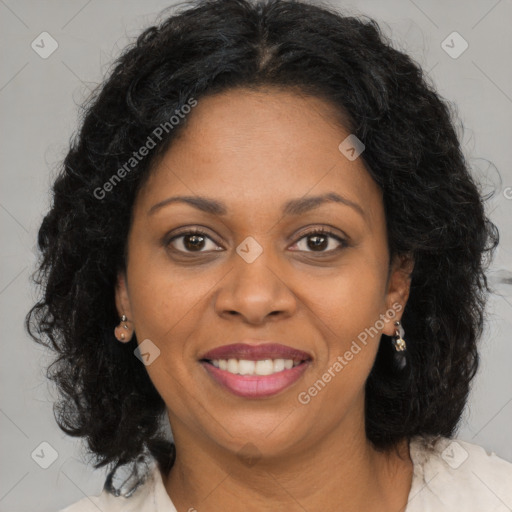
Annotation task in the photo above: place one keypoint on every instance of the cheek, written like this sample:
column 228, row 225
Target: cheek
column 164, row 311
column 349, row 307
column 163, row 298
column 352, row 296
column 349, row 318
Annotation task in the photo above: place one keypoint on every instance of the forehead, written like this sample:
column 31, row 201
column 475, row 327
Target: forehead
column 260, row 148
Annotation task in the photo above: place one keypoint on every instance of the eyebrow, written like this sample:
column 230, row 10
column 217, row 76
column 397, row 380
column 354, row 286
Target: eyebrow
column 290, row 208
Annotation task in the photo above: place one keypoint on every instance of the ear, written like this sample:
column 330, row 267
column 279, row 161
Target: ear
column 122, row 296
column 399, row 284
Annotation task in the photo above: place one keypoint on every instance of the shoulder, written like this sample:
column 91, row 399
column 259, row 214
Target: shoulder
column 451, row 474
column 107, row 502
column 149, row 496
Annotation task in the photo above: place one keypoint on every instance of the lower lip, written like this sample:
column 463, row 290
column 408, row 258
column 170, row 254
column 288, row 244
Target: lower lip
column 256, row 386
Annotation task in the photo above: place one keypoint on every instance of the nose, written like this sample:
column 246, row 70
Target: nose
column 255, row 292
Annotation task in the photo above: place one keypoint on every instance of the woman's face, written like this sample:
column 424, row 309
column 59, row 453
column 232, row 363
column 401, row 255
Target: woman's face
column 263, row 171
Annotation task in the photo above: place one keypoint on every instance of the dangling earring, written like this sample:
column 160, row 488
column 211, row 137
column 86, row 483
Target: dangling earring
column 398, row 341
column 400, row 346
column 119, row 331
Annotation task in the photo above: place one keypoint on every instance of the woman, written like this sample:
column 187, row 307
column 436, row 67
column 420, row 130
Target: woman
column 265, row 233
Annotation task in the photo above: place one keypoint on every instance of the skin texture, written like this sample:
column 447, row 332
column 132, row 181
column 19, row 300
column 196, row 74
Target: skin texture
column 253, row 151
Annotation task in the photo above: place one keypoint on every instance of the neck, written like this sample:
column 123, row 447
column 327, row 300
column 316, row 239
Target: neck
column 339, row 469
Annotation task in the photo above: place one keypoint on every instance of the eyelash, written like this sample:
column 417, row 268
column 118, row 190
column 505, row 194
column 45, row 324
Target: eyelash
column 313, row 232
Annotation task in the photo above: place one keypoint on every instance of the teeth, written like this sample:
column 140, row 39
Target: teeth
column 246, row 367
column 279, row 365
column 264, row 367
column 261, row 367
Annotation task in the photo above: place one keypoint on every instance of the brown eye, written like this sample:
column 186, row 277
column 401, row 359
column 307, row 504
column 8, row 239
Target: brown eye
column 317, row 242
column 192, row 241
column 320, row 240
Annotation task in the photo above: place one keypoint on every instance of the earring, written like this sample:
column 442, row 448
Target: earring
column 400, row 346
column 398, row 341
column 119, row 330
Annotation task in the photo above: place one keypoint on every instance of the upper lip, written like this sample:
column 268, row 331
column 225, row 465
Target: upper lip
column 251, row 352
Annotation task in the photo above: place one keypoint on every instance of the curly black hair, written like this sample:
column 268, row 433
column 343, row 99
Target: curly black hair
column 433, row 205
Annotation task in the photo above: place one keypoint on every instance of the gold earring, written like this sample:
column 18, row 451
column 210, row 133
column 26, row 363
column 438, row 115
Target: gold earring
column 398, row 341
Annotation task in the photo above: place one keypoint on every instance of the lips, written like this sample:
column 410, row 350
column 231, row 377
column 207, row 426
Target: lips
column 256, row 352
column 255, row 371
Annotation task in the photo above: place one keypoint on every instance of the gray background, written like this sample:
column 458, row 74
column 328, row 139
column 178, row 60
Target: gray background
column 38, row 102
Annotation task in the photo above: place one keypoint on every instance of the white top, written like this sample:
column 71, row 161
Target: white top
column 449, row 475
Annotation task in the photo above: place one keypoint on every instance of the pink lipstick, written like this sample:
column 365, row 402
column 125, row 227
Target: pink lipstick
column 255, row 371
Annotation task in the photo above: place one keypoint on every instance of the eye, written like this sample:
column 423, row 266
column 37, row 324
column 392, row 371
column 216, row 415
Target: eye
column 193, row 240
column 319, row 241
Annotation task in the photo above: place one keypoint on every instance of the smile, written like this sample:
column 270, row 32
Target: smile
column 255, row 371
column 261, row 367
